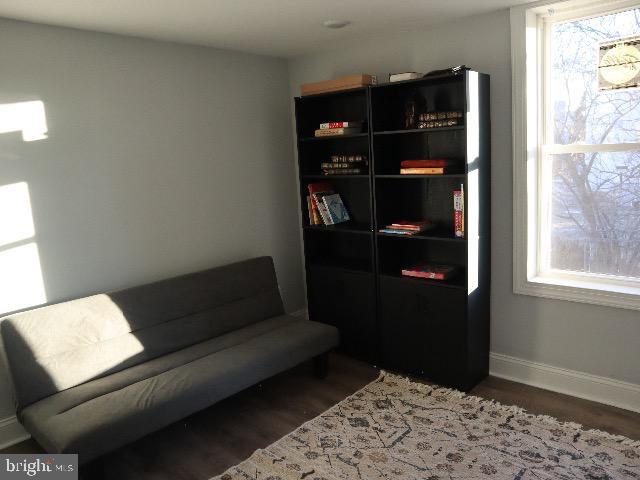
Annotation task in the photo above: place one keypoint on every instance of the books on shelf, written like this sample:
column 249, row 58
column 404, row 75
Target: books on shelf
column 346, row 165
column 430, row 271
column 349, row 159
column 435, row 166
column 425, row 163
column 331, row 125
column 335, row 132
column 439, row 119
column 458, row 211
column 343, row 171
column 399, row 77
column 326, row 206
column 406, row 228
column 422, row 171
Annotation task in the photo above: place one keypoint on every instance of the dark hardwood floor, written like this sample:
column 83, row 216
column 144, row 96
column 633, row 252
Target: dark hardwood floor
column 205, row 444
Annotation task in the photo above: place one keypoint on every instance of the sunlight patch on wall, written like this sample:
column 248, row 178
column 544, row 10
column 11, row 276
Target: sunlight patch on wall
column 21, row 284
column 15, row 214
column 26, row 117
column 21, row 281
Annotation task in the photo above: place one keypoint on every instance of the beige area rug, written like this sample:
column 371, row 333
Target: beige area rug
column 397, row 429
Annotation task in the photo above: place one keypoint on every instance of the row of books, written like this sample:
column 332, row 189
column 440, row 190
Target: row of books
column 431, row 166
column 346, row 165
column 439, row 119
column 431, row 271
column 325, row 206
column 406, row 228
column 331, row 129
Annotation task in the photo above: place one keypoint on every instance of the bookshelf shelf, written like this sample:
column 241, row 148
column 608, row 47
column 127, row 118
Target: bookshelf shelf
column 419, row 130
column 435, row 328
column 331, row 177
column 456, row 283
column 334, row 137
column 341, row 227
column 413, row 177
column 426, row 236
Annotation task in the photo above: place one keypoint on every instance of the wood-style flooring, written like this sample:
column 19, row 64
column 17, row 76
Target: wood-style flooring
column 208, row 442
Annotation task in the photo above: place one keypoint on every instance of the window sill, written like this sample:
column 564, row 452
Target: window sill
column 575, row 290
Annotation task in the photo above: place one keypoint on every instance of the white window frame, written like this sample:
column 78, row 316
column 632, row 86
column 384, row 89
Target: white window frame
column 528, row 49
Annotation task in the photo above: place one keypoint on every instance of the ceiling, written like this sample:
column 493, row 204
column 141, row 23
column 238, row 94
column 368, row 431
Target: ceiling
column 284, row 28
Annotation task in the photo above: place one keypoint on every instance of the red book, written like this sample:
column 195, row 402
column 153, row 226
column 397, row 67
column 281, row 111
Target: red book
column 430, row 271
column 426, row 163
column 458, row 212
column 407, row 225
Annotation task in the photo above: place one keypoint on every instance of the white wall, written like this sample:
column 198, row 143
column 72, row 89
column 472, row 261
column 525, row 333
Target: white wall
column 160, row 159
column 597, row 340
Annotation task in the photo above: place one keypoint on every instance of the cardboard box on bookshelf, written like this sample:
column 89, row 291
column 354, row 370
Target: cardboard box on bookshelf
column 338, row 84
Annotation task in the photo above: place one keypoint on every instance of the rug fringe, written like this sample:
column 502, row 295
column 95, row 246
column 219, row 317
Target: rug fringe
column 621, row 439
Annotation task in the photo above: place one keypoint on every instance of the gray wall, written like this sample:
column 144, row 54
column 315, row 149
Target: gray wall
column 598, row 340
column 161, row 159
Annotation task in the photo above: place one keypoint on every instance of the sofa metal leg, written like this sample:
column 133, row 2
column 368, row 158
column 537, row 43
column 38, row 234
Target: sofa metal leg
column 321, row 365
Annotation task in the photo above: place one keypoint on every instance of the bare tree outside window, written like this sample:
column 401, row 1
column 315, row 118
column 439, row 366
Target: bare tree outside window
column 594, row 195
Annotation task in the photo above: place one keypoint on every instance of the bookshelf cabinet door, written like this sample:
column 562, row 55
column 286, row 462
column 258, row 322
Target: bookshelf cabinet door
column 345, row 299
column 422, row 328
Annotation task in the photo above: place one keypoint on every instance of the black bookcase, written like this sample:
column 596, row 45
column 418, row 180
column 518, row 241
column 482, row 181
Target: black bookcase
column 438, row 329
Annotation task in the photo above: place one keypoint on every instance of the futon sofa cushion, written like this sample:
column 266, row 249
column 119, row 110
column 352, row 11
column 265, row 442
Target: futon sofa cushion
column 57, row 347
column 117, row 409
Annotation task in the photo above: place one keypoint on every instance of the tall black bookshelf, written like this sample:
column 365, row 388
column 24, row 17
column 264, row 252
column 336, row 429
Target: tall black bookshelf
column 434, row 328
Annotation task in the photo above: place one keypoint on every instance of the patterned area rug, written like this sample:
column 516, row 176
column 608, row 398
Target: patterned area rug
column 397, row 429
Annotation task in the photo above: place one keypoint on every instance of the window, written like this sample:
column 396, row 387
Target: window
column 577, row 151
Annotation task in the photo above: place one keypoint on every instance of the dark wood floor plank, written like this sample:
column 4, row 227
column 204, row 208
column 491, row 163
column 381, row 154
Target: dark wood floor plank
column 208, row 442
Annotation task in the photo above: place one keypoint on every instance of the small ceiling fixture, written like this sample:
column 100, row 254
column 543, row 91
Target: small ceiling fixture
column 336, row 23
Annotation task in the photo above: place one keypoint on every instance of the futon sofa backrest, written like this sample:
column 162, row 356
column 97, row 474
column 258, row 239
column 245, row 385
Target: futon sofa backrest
column 57, row 347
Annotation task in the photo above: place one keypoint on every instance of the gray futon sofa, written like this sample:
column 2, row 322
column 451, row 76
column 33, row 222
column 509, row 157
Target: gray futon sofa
column 93, row 374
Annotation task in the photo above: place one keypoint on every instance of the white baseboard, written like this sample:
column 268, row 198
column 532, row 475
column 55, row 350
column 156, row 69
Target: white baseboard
column 570, row 382
column 11, row 432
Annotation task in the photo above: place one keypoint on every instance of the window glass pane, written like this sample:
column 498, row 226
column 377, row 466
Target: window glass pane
column 580, row 112
column 595, row 203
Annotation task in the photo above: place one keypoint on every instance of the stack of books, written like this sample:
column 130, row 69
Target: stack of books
column 406, row 228
column 431, row 271
column 432, row 166
column 325, row 206
column 332, row 129
column 346, row 165
column 439, row 119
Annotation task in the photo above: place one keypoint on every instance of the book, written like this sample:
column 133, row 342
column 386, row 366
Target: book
column 344, row 171
column 418, row 226
column 315, row 189
column 426, row 163
column 430, row 271
column 337, row 84
column 322, row 208
column 341, row 165
column 399, row 77
column 422, row 171
column 310, row 210
column 349, row 159
column 329, row 125
column 395, row 231
column 458, row 212
column 331, row 132
column 336, row 210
